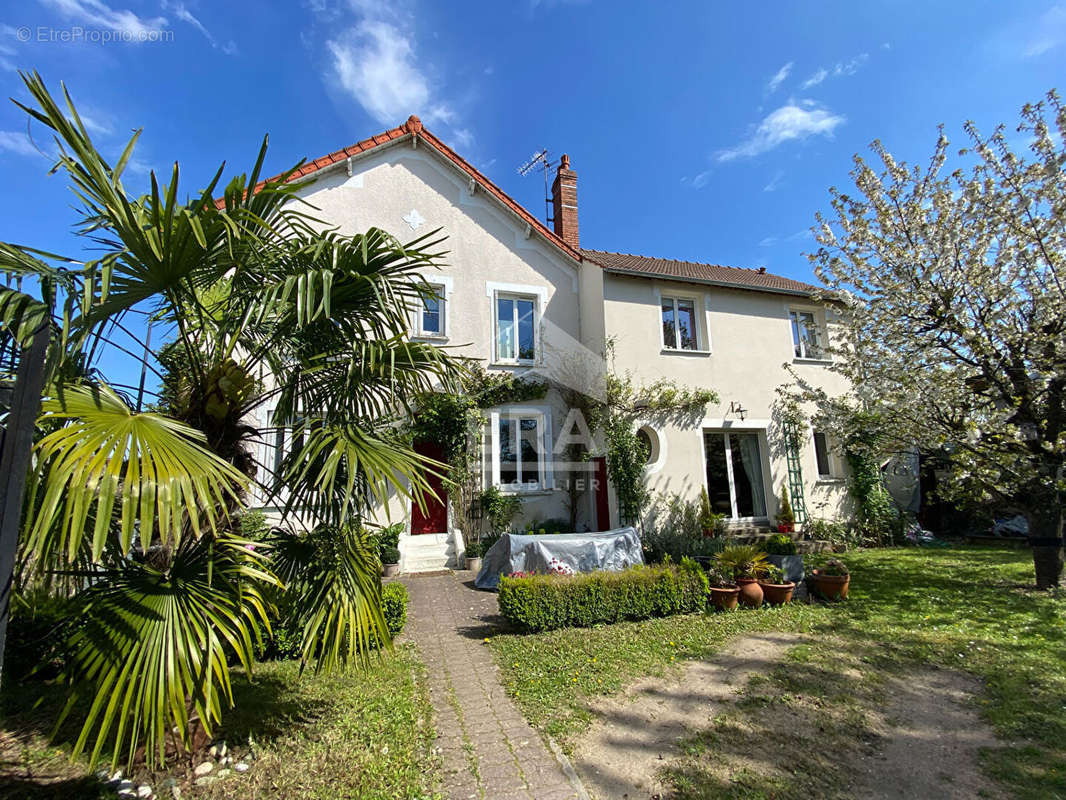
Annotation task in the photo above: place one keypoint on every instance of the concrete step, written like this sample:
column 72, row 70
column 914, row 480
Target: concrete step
column 429, row 552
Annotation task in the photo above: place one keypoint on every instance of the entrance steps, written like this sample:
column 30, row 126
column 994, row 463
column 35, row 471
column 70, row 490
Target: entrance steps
column 427, row 552
column 750, row 534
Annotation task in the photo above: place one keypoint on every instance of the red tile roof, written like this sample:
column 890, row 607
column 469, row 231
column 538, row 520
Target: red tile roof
column 414, row 128
column 757, row 279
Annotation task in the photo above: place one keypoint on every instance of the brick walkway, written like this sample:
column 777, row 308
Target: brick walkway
column 489, row 750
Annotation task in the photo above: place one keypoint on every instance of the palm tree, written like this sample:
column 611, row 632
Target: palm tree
column 271, row 310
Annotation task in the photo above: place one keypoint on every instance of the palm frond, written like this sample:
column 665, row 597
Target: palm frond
column 104, row 454
column 333, row 586
column 150, row 647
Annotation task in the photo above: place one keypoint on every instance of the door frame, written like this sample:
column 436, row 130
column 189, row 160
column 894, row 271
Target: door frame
column 725, row 427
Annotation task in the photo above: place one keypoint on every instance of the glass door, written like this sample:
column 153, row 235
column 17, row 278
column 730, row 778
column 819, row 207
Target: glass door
column 734, row 474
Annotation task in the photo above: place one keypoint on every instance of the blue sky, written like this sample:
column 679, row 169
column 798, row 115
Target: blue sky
column 703, row 131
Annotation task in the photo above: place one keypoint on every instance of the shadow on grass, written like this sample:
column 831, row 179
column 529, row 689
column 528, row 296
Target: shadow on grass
column 44, row 787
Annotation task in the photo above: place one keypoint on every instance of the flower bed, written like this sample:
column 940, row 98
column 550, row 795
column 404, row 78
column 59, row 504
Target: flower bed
column 546, row 602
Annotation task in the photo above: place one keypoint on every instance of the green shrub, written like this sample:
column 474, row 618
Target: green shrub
column 390, row 555
column 547, row 527
column 286, row 633
column 546, row 602
column 780, row 544
column 37, row 635
column 394, row 605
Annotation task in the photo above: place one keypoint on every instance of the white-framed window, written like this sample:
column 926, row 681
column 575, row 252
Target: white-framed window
column 807, row 335
column 516, row 323
column 519, row 444
column 680, row 323
column 430, row 317
column 825, row 456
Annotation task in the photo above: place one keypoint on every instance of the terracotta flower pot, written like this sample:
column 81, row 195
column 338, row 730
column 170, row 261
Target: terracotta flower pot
column 708, row 533
column 777, row 594
column 724, row 598
column 786, row 527
column 750, row 592
column 831, row 587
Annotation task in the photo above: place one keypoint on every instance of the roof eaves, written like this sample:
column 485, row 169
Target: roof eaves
column 706, row 281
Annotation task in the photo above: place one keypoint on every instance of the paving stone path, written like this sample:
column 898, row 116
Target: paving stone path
column 489, row 750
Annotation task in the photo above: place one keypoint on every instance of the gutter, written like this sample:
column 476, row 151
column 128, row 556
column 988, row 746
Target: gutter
column 705, row 281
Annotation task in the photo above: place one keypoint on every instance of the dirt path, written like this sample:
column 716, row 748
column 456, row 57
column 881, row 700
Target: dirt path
column 925, row 742
column 932, row 739
column 635, row 735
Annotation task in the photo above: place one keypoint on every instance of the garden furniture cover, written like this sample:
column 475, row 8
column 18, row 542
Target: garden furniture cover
column 564, row 553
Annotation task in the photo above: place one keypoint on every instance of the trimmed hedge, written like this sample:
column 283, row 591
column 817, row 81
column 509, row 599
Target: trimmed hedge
column 546, row 602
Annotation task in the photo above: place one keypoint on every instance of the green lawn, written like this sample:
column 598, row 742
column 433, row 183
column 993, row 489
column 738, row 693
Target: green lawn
column 356, row 734
column 963, row 608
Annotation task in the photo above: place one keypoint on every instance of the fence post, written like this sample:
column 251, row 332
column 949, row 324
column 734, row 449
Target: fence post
column 15, row 450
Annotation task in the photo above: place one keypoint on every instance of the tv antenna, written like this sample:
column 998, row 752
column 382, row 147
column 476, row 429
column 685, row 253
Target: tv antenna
column 541, row 158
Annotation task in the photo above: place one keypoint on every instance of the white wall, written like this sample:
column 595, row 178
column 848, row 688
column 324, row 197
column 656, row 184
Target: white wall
column 745, row 343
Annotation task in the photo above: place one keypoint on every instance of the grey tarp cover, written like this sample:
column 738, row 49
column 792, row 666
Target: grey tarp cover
column 582, row 552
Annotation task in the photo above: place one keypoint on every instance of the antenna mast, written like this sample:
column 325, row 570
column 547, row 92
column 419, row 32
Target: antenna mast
column 546, row 164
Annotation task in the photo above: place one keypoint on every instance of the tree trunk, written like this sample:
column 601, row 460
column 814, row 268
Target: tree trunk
column 1045, row 537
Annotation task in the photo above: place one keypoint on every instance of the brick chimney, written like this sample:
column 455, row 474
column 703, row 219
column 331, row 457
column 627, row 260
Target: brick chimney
column 564, row 203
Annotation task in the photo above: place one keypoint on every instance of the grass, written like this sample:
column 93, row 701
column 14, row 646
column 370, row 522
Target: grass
column 966, row 608
column 350, row 735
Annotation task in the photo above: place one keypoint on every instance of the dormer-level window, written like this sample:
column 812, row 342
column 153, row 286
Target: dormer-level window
column 679, row 324
column 806, row 335
column 431, row 320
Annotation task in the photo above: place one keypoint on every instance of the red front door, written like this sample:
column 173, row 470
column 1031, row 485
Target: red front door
column 603, row 508
column 434, row 519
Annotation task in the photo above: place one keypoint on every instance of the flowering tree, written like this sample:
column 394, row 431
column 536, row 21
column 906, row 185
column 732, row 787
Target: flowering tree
column 952, row 304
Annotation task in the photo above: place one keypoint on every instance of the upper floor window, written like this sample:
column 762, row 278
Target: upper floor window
column 679, row 324
column 806, row 336
column 431, row 317
column 516, row 327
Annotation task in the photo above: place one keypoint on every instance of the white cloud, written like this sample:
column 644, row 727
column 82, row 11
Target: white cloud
column 789, row 122
column 768, row 241
column 18, row 144
column 779, row 77
column 774, row 182
column 1050, row 32
column 183, row 13
column 838, row 70
column 97, row 123
column 375, row 62
column 99, row 14
column 819, row 76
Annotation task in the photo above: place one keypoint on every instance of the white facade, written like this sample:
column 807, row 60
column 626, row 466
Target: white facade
column 513, row 297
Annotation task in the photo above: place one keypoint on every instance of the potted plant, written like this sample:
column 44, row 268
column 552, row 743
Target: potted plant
column 745, row 563
column 388, row 540
column 473, row 556
column 786, row 518
column 777, row 590
column 831, row 580
column 390, row 561
column 724, row 591
column 781, row 552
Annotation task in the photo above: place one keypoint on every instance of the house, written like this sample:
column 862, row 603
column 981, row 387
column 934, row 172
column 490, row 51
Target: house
column 531, row 300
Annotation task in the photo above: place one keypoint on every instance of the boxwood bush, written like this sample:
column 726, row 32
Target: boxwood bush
column 546, row 602
column 287, row 631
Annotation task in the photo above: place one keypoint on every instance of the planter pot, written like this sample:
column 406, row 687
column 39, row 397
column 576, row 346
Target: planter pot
column 708, row 533
column 388, row 570
column 831, row 587
column 750, row 592
column 791, row 566
column 725, row 599
column 777, row 594
column 786, row 527
column 473, row 564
